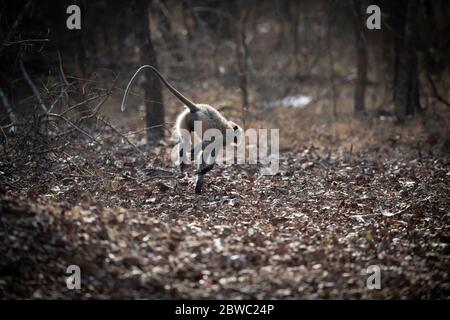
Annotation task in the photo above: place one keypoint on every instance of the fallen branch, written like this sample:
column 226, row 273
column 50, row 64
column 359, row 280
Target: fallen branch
column 158, row 177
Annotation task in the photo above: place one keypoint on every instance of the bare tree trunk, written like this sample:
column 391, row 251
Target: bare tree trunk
column 292, row 12
column 81, row 66
column 242, row 53
column 386, row 62
column 166, row 29
column 154, row 107
column 361, row 59
column 331, row 59
column 406, row 81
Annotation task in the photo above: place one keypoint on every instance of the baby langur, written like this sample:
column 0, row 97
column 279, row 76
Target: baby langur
column 209, row 117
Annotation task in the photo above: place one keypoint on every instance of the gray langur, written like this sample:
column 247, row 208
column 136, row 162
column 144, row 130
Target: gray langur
column 209, row 117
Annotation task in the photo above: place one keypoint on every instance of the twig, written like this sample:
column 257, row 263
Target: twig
column 435, row 92
column 173, row 175
column 33, row 87
column 48, row 150
column 100, row 104
column 5, row 141
column 24, row 41
column 75, row 165
column 122, row 135
column 159, row 169
column 148, row 128
column 75, row 175
column 73, row 125
column 11, row 185
column 61, row 70
column 16, row 24
column 9, row 111
column 82, row 103
column 107, row 95
column 63, row 92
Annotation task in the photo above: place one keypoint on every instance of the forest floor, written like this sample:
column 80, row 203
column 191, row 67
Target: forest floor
column 348, row 195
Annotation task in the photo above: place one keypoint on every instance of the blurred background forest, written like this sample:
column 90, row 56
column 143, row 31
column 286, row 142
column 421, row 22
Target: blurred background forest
column 247, row 55
column 363, row 111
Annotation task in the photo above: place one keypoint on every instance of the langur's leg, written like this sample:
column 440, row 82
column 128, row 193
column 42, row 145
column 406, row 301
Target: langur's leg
column 206, row 163
column 185, row 147
column 182, row 159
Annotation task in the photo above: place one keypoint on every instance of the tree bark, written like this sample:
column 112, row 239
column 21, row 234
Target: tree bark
column 154, row 107
column 406, row 81
column 165, row 27
column 329, row 39
column 292, row 12
column 361, row 59
column 242, row 57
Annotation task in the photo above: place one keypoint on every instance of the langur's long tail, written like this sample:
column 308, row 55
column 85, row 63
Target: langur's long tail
column 177, row 94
